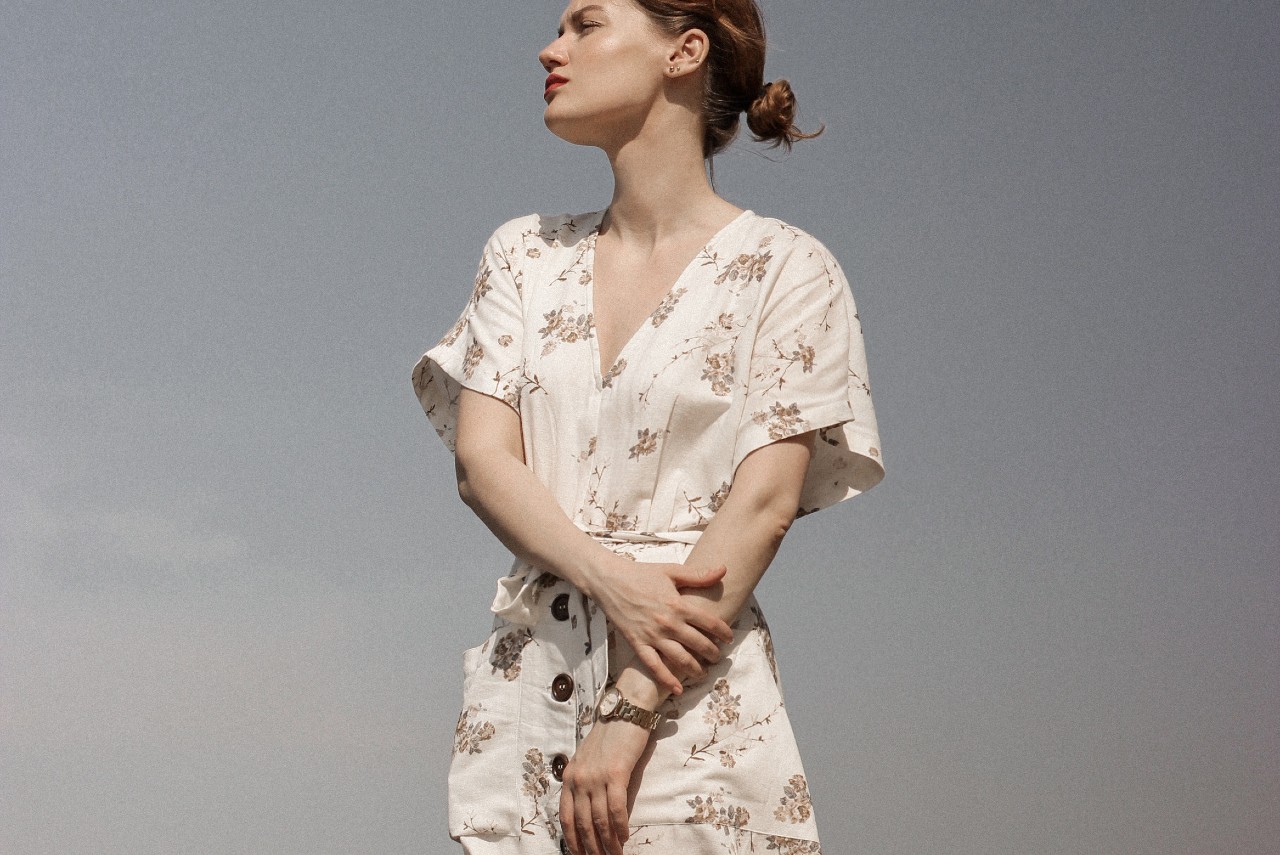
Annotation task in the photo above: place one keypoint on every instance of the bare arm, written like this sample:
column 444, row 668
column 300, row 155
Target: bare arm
column 745, row 535
column 667, row 629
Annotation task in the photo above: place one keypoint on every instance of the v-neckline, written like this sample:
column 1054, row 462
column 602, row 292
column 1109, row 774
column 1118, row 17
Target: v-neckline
column 589, row 264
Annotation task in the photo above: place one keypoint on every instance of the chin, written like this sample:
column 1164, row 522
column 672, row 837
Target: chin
column 578, row 131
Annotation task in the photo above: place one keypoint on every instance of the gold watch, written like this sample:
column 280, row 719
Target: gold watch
column 613, row 705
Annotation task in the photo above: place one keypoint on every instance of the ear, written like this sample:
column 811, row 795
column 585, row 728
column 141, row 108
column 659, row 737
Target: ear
column 688, row 53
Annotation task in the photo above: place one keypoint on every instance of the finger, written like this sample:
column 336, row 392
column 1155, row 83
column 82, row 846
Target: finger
column 602, row 825
column 618, row 813
column 653, row 661
column 680, row 660
column 710, row 625
column 567, row 820
column 699, row 645
column 685, row 576
column 586, row 830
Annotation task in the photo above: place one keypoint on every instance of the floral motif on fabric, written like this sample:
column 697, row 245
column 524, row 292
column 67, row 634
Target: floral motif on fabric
column 716, row 811
column 565, row 325
column 766, row 642
column 455, row 331
column 536, row 784
column 781, row 421
column 771, row 367
column 712, row 348
column 747, row 267
column 483, row 285
column 666, row 307
column 586, row 714
column 474, row 356
column 718, row 368
column 796, row 806
column 614, row 372
column 646, row 443
column 610, row 518
column 722, row 707
column 508, row 652
column 792, row 846
column 540, row 584
column 616, row 520
column 730, row 736
column 677, row 839
column 716, row 501
column 537, row 777
column 705, row 508
column 470, row 733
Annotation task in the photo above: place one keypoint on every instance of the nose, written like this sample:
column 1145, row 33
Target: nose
column 552, row 56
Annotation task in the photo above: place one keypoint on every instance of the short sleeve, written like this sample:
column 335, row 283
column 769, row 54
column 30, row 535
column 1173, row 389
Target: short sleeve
column 483, row 349
column 808, row 371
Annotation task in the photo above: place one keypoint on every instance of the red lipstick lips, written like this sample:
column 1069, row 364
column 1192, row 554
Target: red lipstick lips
column 554, row 81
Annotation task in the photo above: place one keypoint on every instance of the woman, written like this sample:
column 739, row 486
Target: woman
column 640, row 401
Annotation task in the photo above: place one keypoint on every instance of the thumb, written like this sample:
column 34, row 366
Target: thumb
column 693, row 577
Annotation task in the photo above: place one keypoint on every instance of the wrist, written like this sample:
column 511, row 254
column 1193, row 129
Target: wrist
column 640, row 688
column 593, row 569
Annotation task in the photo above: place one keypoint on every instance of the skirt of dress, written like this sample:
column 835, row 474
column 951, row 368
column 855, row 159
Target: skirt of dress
column 723, row 774
column 657, row 840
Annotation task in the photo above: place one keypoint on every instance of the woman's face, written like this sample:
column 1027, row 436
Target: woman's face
column 605, row 71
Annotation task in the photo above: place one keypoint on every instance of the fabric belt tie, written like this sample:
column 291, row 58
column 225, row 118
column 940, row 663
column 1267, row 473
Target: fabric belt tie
column 515, row 601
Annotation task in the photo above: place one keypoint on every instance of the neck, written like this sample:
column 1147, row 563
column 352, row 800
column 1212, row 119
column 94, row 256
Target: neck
column 660, row 186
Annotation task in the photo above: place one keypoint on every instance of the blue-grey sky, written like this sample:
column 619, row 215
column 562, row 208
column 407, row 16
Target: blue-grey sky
column 235, row 579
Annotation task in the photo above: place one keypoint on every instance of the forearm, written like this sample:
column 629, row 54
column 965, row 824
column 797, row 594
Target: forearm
column 517, row 507
column 744, row 536
column 745, row 544
column 522, row 513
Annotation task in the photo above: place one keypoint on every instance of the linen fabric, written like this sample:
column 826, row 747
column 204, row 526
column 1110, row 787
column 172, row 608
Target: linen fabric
column 758, row 339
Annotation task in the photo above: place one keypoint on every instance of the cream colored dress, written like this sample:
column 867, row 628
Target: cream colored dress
column 757, row 340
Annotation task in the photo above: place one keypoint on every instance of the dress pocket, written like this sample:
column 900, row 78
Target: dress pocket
column 484, row 775
column 472, row 659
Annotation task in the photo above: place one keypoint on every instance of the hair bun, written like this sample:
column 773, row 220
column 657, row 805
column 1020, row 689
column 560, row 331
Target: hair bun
column 772, row 116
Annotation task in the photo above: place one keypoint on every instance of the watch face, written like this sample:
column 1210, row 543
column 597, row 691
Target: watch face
column 609, row 702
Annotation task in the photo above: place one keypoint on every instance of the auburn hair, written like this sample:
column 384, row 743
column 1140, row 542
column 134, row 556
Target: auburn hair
column 734, row 71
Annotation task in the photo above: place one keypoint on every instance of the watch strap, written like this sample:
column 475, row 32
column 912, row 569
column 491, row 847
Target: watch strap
column 648, row 719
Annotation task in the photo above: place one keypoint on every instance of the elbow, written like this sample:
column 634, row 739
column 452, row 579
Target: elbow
column 466, row 485
column 780, row 523
column 774, row 520
column 769, row 513
column 465, row 493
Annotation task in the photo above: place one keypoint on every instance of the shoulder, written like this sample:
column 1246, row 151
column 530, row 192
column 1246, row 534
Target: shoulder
column 789, row 241
column 795, row 256
column 547, row 232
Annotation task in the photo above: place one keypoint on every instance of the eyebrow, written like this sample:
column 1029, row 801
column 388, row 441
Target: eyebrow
column 578, row 14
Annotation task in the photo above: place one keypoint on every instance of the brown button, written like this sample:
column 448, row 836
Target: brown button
column 557, row 766
column 562, row 687
column 560, row 607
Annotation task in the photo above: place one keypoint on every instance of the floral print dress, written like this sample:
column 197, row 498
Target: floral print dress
column 757, row 340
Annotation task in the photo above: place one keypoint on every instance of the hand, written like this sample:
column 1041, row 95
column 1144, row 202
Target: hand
column 672, row 635
column 593, row 801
